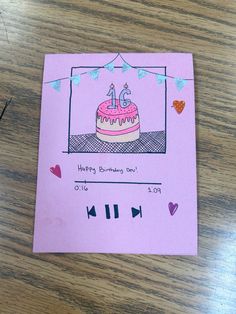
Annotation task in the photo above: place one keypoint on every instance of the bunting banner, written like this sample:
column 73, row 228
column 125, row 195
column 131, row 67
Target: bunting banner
column 142, row 73
column 56, row 85
column 180, row 83
column 161, row 78
column 126, row 67
column 110, row 66
column 75, row 79
column 94, row 74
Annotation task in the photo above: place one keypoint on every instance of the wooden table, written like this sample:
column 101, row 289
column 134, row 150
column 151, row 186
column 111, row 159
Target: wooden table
column 80, row 283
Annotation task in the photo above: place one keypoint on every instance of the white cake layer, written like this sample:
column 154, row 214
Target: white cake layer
column 129, row 137
column 106, row 125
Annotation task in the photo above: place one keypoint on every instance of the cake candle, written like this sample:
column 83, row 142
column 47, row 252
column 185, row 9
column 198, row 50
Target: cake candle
column 112, row 93
column 123, row 101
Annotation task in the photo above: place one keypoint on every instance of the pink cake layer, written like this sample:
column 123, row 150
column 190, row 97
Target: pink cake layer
column 120, row 132
column 122, row 114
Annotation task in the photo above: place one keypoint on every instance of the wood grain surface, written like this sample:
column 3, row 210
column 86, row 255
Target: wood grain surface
column 100, row 283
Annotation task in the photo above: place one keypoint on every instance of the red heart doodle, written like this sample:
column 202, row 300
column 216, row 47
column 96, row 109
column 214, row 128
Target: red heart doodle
column 179, row 105
column 173, row 208
column 56, row 171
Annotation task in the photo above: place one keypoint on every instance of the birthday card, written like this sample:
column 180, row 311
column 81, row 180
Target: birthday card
column 117, row 155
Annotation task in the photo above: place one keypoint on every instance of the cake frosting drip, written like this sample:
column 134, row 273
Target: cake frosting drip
column 129, row 113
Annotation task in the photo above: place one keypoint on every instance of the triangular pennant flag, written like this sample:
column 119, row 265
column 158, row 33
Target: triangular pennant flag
column 75, row 79
column 142, row 73
column 126, row 67
column 56, row 85
column 136, row 212
column 161, row 78
column 94, row 74
column 180, row 83
column 109, row 67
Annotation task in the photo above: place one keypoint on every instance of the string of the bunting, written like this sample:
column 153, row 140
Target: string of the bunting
column 141, row 73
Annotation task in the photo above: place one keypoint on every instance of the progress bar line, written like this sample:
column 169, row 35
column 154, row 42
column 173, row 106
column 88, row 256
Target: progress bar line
column 118, row 182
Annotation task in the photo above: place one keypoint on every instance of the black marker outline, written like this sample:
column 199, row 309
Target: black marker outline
column 117, row 182
column 119, row 67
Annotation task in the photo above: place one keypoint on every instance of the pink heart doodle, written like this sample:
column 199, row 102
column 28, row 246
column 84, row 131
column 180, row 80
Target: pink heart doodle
column 173, row 208
column 56, row 171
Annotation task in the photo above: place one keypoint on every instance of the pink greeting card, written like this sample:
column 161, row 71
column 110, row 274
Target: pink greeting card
column 117, row 154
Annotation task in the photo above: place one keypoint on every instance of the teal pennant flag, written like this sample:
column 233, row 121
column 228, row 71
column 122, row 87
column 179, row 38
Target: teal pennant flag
column 56, row 85
column 109, row 67
column 142, row 73
column 75, row 79
column 126, row 67
column 180, row 83
column 94, row 74
column 161, row 78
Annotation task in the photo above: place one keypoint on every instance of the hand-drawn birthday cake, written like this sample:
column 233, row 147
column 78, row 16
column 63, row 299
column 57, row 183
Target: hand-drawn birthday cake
column 117, row 120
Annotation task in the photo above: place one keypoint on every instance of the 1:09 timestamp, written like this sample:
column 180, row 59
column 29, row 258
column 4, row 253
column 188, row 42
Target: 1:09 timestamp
column 154, row 190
